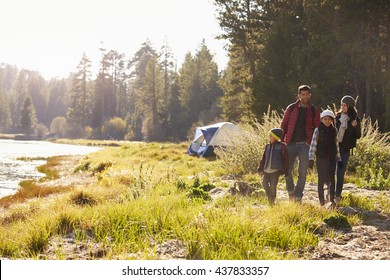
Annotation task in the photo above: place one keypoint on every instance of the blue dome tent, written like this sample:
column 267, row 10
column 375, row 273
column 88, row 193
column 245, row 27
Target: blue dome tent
column 216, row 135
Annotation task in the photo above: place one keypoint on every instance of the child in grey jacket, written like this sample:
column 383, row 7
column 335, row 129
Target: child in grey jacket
column 273, row 163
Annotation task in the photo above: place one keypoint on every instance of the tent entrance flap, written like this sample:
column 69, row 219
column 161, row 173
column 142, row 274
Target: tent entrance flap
column 211, row 136
column 198, row 145
column 209, row 133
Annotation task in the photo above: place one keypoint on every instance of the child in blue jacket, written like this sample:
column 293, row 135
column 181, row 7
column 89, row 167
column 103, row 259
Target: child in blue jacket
column 273, row 163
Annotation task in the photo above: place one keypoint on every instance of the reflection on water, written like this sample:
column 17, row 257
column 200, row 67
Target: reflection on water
column 14, row 170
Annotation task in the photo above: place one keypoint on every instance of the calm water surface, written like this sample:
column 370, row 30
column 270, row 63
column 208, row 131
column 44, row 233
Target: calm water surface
column 13, row 170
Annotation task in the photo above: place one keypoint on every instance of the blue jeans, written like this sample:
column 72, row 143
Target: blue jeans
column 341, row 172
column 300, row 151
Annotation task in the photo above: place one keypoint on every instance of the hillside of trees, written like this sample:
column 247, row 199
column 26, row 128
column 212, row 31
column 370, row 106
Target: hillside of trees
column 142, row 98
column 337, row 47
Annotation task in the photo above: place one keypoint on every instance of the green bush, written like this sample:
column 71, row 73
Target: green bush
column 370, row 160
column 199, row 193
column 200, row 190
column 82, row 198
column 114, row 128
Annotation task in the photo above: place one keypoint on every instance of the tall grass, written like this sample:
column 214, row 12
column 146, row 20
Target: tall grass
column 243, row 155
column 370, row 160
column 141, row 199
column 163, row 210
column 369, row 164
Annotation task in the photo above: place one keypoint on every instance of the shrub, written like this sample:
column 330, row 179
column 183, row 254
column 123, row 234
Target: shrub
column 41, row 130
column 370, row 160
column 114, row 128
column 200, row 190
column 243, row 156
column 83, row 198
column 199, row 193
column 58, row 126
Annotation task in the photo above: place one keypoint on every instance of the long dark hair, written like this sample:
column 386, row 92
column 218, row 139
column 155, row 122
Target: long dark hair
column 352, row 113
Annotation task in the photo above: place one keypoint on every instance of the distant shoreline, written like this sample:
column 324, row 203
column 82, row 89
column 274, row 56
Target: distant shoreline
column 57, row 140
column 24, row 137
column 20, row 160
column 8, row 136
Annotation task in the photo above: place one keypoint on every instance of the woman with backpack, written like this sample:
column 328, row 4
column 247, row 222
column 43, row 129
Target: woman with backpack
column 349, row 130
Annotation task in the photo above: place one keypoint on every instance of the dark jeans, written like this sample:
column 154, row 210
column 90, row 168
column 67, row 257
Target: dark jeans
column 341, row 172
column 300, row 151
column 270, row 182
column 326, row 176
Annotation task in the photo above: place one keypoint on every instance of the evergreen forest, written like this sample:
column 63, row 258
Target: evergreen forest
column 337, row 47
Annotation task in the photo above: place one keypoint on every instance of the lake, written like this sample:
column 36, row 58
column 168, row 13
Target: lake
column 13, row 169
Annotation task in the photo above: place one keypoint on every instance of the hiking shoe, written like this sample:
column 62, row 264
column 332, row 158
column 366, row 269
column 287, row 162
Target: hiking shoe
column 298, row 200
column 291, row 196
column 338, row 199
column 322, row 202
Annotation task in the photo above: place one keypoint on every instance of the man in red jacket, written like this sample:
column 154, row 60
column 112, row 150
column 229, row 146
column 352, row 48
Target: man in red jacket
column 298, row 124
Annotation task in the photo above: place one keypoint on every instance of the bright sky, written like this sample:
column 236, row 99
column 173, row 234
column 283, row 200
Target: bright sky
column 50, row 36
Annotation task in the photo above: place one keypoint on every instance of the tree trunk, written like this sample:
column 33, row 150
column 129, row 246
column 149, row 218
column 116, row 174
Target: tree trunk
column 369, row 93
column 361, row 97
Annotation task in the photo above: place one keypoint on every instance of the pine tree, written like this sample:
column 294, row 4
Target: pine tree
column 199, row 91
column 5, row 115
column 80, row 103
column 142, row 82
column 28, row 118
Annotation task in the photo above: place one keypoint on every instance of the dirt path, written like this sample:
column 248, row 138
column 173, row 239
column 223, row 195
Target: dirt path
column 368, row 241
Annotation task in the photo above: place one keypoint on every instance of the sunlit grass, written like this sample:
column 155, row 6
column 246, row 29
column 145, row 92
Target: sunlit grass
column 30, row 189
column 141, row 198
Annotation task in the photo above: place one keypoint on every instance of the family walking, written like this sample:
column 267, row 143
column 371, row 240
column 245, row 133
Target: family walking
column 309, row 136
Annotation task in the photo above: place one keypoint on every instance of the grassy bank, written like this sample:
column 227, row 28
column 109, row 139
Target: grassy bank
column 150, row 194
